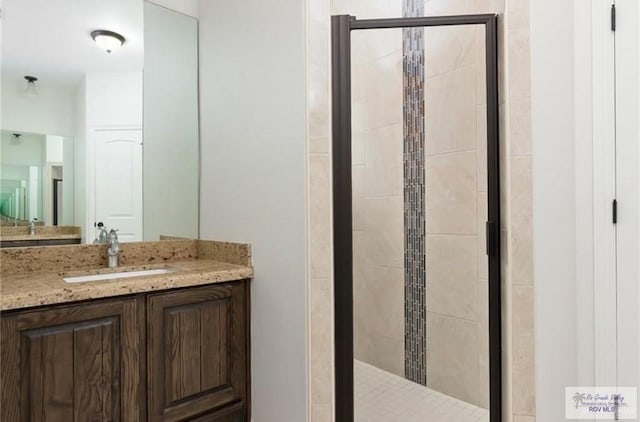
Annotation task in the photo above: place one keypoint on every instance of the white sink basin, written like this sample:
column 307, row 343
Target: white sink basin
column 111, row 276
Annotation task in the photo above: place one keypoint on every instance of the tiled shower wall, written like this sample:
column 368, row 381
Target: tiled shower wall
column 518, row 328
column 456, row 186
column 378, row 239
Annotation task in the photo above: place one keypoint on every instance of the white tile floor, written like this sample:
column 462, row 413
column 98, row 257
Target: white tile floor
column 384, row 397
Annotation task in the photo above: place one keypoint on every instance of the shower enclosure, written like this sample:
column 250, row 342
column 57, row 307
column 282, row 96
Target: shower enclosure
column 416, row 218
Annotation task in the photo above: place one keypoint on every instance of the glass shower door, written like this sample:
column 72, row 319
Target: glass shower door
column 420, row 200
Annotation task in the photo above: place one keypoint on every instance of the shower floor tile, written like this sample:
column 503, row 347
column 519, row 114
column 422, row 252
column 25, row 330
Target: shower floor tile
column 384, row 397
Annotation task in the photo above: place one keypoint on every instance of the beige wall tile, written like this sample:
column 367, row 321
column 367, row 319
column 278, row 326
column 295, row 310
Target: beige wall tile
column 321, row 319
column 520, row 126
column 523, row 351
column 519, row 63
column 382, row 352
column 523, row 320
column 362, row 263
column 483, row 6
column 359, row 80
column 522, row 418
column 520, row 92
column 450, row 111
column 518, row 14
column 358, row 132
column 379, row 318
column 318, row 93
column 384, row 226
column 383, row 91
column 321, row 413
column 384, row 164
column 452, row 356
column 449, row 7
column 319, row 144
column 452, row 275
column 504, row 172
column 374, row 44
column 358, row 191
column 483, row 344
column 481, row 115
column 483, row 263
column 521, row 220
column 448, row 48
column 320, row 215
column 481, row 62
column 380, row 304
column 451, row 193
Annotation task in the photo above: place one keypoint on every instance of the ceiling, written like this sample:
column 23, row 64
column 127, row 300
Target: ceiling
column 50, row 39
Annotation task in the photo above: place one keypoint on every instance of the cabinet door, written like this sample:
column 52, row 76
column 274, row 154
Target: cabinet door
column 77, row 363
column 197, row 351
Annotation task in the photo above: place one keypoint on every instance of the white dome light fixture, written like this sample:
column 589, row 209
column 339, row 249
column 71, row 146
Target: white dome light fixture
column 107, row 40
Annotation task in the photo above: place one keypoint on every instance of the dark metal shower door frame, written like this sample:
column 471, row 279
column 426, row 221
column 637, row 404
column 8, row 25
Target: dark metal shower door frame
column 342, row 26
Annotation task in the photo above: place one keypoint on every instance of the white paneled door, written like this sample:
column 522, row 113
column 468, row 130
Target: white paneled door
column 118, row 181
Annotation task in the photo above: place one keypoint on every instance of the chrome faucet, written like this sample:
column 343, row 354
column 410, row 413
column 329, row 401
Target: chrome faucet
column 32, row 227
column 114, row 249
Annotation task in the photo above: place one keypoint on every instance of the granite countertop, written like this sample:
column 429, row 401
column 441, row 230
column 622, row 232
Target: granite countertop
column 21, row 233
column 37, row 236
column 23, row 290
column 31, row 277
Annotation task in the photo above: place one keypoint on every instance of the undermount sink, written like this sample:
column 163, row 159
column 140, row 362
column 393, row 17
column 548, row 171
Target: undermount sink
column 111, row 276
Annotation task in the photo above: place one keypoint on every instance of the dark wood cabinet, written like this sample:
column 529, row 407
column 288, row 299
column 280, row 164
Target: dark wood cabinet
column 197, row 352
column 73, row 363
column 178, row 355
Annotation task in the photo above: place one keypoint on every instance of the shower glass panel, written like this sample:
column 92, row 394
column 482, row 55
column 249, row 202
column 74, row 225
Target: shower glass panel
column 419, row 195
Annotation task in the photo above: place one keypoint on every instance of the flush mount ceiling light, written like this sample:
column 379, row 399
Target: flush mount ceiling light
column 107, row 40
column 31, row 88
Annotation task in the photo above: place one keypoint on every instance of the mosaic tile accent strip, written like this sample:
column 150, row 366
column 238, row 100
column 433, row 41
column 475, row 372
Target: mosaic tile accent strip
column 414, row 197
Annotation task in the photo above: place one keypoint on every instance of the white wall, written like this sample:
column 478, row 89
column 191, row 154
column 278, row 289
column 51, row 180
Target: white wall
column 252, row 96
column 552, row 42
column 52, row 111
column 55, row 147
column 114, row 99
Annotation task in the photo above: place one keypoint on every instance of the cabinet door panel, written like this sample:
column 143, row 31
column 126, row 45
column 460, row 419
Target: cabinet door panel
column 73, row 364
column 197, row 350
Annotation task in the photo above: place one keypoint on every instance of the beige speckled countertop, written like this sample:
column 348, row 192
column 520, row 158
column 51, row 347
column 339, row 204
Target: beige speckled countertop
column 21, row 233
column 35, row 276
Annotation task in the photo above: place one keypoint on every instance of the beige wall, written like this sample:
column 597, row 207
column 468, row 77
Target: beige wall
column 518, row 342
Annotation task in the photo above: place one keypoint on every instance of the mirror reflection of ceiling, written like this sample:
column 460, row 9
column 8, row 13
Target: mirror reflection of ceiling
column 51, row 39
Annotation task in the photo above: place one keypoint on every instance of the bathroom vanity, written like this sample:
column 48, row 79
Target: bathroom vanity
column 20, row 236
column 172, row 346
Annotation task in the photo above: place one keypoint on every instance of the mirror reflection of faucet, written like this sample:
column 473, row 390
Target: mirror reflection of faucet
column 103, row 235
column 32, row 227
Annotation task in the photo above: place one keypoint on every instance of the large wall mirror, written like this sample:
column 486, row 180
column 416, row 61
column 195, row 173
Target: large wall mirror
column 95, row 129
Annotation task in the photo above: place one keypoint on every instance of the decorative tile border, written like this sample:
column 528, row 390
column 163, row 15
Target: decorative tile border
column 414, row 197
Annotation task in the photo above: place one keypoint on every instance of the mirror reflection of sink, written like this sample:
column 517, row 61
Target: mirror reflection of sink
column 112, row 276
